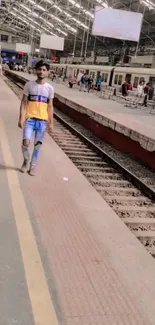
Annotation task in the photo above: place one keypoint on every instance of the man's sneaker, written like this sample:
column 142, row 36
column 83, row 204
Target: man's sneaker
column 24, row 167
column 32, row 171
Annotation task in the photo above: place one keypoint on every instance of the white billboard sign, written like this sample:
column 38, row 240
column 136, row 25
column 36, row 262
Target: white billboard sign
column 119, row 24
column 52, row 42
column 20, row 47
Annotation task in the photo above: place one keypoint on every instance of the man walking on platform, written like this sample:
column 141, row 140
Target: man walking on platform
column 36, row 115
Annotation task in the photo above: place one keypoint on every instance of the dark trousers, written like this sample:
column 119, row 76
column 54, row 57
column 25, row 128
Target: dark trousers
column 89, row 87
column 70, row 84
column 145, row 100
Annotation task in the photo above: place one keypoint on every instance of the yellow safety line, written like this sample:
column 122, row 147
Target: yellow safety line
column 42, row 306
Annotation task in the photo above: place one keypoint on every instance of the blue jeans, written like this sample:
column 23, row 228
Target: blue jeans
column 38, row 129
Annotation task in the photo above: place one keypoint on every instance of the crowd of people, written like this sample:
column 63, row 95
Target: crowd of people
column 10, row 66
column 20, row 67
column 87, row 82
column 145, row 90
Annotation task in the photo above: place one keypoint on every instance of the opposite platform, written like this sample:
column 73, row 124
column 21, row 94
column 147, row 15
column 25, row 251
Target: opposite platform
column 130, row 130
column 65, row 258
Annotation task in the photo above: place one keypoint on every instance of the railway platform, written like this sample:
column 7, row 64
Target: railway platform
column 65, row 257
column 130, row 130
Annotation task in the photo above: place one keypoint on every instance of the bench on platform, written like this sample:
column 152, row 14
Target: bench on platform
column 107, row 92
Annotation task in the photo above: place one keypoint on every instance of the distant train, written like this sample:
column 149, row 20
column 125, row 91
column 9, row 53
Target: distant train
column 12, row 57
column 112, row 76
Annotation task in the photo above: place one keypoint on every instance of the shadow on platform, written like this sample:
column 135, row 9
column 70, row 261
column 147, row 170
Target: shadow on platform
column 4, row 167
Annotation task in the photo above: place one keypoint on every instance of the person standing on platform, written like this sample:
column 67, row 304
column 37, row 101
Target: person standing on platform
column 90, row 82
column 124, row 89
column 129, row 86
column 140, row 89
column 146, row 93
column 151, row 92
column 99, row 82
column 20, row 67
column 16, row 67
column 83, row 82
column 36, row 114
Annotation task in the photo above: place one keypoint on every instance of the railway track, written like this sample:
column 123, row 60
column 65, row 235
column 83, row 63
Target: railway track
column 132, row 199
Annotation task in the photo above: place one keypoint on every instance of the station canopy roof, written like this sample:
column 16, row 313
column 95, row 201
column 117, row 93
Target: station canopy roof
column 71, row 19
